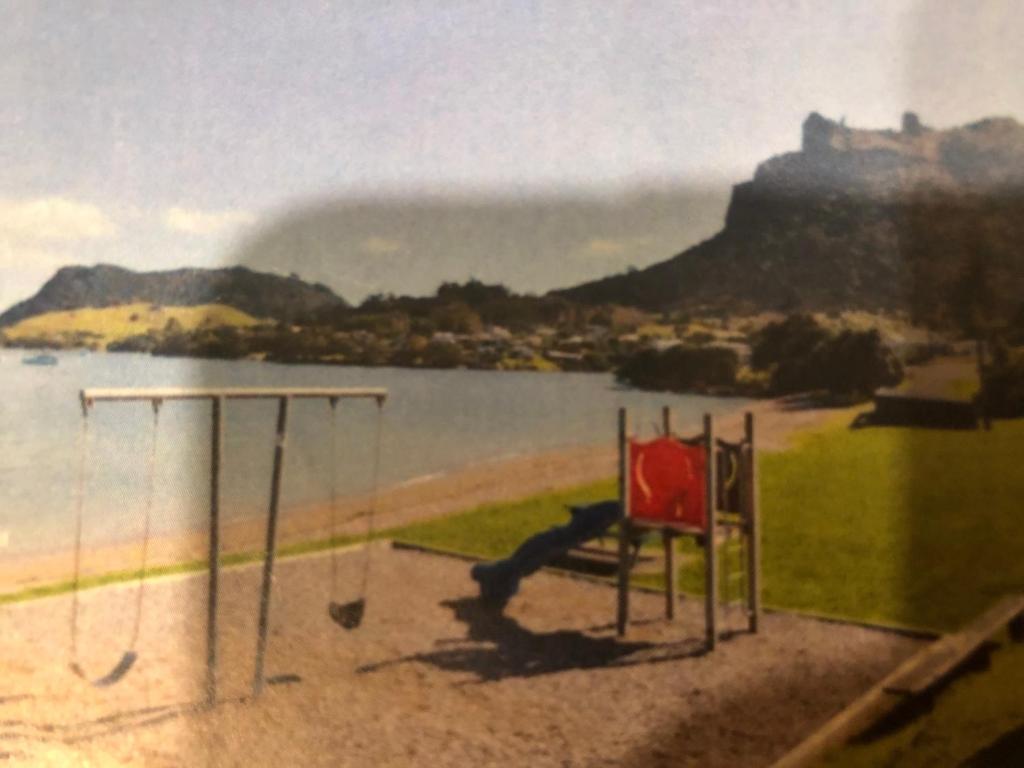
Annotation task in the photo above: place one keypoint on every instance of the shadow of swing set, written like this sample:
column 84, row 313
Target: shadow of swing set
column 347, row 615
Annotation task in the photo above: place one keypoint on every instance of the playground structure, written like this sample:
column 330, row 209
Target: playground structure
column 346, row 615
column 673, row 487
column 663, row 491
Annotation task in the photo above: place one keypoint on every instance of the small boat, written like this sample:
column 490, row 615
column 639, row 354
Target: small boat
column 42, row 359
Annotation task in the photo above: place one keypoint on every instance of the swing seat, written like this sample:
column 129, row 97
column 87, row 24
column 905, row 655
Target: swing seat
column 347, row 615
column 113, row 676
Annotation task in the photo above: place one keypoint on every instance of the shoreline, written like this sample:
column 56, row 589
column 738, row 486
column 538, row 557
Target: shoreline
column 493, row 481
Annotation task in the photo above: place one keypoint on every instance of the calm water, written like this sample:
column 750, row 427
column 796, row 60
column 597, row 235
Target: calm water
column 433, row 421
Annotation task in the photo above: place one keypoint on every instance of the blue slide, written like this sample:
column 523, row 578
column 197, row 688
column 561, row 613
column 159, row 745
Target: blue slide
column 499, row 580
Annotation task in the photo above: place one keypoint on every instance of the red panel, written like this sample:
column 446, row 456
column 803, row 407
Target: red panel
column 666, row 482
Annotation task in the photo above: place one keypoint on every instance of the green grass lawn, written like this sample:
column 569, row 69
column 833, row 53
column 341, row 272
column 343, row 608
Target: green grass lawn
column 899, row 526
column 495, row 530
column 917, row 527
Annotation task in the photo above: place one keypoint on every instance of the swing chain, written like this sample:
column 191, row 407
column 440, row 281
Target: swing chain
column 150, row 492
column 334, row 494
column 375, row 479
column 350, row 614
column 81, row 483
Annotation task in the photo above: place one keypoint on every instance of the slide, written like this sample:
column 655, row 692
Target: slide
column 499, row 580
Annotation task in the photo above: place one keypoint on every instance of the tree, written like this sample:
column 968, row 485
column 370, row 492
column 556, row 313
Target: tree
column 801, row 356
column 794, row 338
column 856, row 363
column 680, row 369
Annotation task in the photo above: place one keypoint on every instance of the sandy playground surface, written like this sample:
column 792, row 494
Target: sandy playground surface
column 429, row 678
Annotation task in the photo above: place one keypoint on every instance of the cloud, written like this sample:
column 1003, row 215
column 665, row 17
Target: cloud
column 25, row 268
column 196, row 222
column 52, row 219
column 380, row 246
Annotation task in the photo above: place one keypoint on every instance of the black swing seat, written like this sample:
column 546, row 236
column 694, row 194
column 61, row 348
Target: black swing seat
column 113, row 676
column 347, row 615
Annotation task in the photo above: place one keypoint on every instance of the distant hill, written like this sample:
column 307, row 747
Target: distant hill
column 99, row 328
column 857, row 219
column 259, row 294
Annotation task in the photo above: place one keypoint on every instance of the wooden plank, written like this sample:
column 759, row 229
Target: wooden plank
column 863, row 712
column 753, row 531
column 605, row 553
column 668, row 543
column 881, row 698
column 952, row 650
column 659, row 526
column 710, row 552
column 622, row 616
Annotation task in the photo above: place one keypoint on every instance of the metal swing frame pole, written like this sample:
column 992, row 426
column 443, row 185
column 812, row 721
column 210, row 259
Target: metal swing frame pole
column 216, row 456
column 217, row 397
column 271, row 545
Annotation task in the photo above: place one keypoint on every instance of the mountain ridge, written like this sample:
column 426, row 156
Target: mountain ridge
column 856, row 219
column 260, row 294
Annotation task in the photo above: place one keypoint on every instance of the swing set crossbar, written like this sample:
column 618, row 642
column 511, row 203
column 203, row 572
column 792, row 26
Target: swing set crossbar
column 89, row 396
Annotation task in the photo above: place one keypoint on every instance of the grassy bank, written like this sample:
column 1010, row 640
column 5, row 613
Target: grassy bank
column 102, row 326
column 911, row 527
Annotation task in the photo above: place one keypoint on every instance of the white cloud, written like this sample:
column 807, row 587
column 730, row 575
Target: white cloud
column 52, row 219
column 25, row 268
column 380, row 246
column 196, row 222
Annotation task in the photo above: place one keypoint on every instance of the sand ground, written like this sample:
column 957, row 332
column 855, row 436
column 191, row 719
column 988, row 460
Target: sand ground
column 429, row 678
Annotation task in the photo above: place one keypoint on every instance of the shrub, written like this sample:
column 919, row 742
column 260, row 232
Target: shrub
column 801, row 356
column 680, row 369
column 1002, row 390
column 856, row 363
column 791, row 339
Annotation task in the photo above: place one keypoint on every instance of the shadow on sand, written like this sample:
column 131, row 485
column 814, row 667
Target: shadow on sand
column 497, row 646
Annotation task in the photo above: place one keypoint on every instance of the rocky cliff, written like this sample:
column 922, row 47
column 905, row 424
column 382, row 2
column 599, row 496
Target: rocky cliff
column 857, row 219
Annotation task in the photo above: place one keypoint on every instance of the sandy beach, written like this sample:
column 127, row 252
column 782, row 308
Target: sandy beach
column 429, row 676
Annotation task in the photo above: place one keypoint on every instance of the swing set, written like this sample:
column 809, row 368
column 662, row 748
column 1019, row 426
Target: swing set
column 347, row 615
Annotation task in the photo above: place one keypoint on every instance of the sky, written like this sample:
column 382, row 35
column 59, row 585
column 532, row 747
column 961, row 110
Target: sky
column 156, row 135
